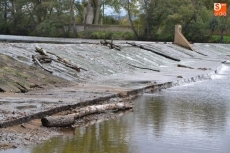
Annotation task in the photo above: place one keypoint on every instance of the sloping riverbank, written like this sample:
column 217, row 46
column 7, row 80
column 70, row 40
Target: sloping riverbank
column 111, row 74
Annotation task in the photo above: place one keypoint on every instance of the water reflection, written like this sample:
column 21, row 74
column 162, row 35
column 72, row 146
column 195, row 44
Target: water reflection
column 186, row 119
column 109, row 136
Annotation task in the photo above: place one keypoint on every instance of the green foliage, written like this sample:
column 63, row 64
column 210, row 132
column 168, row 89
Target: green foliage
column 52, row 27
column 151, row 19
column 102, row 35
column 4, row 28
column 213, row 24
column 128, row 35
column 107, row 35
column 110, row 20
column 97, row 35
column 215, row 39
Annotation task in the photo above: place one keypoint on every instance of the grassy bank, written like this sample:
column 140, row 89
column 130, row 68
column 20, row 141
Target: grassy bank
column 215, row 39
column 107, row 35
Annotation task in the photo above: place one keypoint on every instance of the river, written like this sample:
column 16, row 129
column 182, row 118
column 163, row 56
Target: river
column 193, row 118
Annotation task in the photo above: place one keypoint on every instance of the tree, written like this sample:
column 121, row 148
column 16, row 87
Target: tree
column 130, row 19
column 223, row 26
column 213, row 24
column 224, row 23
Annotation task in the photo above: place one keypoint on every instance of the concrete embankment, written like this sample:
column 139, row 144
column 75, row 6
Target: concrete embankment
column 111, row 74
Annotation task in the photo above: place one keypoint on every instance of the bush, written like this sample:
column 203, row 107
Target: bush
column 97, row 35
column 107, row 35
column 128, row 35
column 215, row 39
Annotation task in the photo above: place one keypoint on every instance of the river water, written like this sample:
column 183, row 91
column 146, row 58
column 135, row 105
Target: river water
column 193, row 118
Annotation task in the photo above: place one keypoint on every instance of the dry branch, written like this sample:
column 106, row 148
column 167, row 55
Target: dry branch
column 45, row 58
column 67, row 120
column 153, row 51
column 41, row 51
column 184, row 66
column 36, row 61
column 144, row 68
column 111, row 45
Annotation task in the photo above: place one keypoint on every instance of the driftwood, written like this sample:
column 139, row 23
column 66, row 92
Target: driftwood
column 144, row 68
column 34, row 57
column 67, row 120
column 41, row 51
column 44, row 58
column 58, row 121
column 203, row 68
column 184, row 66
column 153, row 51
column 110, row 44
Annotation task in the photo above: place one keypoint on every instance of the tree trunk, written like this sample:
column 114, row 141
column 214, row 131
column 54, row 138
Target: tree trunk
column 5, row 11
column 131, row 22
column 73, row 17
column 146, row 19
column 75, row 28
column 67, row 120
column 39, row 11
column 103, row 13
column 221, row 36
column 85, row 16
column 89, row 13
column 97, row 12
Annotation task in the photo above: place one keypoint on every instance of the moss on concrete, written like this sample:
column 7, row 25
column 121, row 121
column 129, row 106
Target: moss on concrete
column 19, row 77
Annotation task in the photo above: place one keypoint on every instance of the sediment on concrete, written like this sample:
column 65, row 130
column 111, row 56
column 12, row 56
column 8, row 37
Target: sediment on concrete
column 150, row 88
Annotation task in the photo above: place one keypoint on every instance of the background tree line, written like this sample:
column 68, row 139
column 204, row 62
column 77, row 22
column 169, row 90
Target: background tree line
column 149, row 19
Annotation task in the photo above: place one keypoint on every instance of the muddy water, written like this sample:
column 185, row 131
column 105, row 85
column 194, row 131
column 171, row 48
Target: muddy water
column 185, row 119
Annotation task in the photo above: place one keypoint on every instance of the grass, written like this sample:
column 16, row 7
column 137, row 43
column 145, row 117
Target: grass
column 107, row 35
column 215, row 38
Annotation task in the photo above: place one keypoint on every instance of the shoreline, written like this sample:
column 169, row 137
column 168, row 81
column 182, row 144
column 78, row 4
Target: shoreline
column 125, row 94
column 28, row 124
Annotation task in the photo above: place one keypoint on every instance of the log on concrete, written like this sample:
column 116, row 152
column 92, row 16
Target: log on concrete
column 68, row 120
column 58, row 121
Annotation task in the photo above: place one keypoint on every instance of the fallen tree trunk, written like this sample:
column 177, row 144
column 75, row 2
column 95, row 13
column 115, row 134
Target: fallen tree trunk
column 68, row 120
column 58, row 121
column 144, row 68
column 153, row 51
